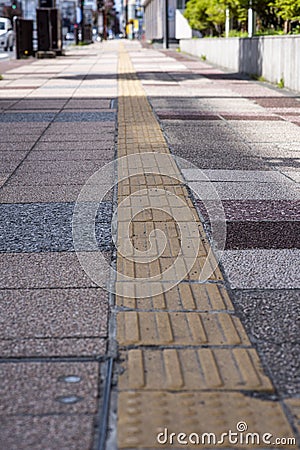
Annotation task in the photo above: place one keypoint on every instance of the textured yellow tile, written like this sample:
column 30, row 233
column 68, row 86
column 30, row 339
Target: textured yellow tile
column 179, row 328
column 144, row 415
column 293, row 405
column 193, row 297
column 202, row 369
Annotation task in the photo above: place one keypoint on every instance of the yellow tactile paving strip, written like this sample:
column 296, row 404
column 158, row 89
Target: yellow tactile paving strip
column 187, row 363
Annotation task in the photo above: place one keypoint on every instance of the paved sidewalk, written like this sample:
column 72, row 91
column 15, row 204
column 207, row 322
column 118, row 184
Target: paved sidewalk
column 219, row 348
column 57, row 128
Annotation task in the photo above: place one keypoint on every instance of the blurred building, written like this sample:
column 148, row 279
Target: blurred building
column 154, row 19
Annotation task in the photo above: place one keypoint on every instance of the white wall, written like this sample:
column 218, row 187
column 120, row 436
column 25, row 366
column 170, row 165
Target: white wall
column 154, row 11
column 182, row 27
column 273, row 57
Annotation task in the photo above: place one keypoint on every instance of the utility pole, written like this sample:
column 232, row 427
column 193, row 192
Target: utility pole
column 82, row 19
column 166, row 27
column 227, row 22
column 250, row 20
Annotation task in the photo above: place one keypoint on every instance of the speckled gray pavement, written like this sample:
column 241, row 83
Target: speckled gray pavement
column 57, row 127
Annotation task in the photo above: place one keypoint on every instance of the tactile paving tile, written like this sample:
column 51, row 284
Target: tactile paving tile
column 189, row 268
column 193, row 369
column 143, row 415
column 293, row 405
column 183, row 297
column 179, row 328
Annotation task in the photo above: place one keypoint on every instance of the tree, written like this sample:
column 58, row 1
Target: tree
column 209, row 15
column 288, row 10
column 196, row 14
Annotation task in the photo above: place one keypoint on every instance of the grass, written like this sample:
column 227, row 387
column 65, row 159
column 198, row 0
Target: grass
column 280, row 83
column 256, row 77
column 1, row 77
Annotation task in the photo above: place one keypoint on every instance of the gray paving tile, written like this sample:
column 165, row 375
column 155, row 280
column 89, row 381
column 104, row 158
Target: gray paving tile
column 53, row 313
column 206, row 159
column 295, row 176
column 47, row 227
column 194, row 134
column 107, row 128
column 12, row 138
column 68, row 137
column 261, row 176
column 262, row 269
column 88, row 103
column 11, row 157
column 53, row 347
column 99, row 155
column 283, row 362
column 271, row 316
column 107, row 142
column 50, row 432
column 14, row 193
column 26, row 117
column 246, row 191
column 33, row 104
column 85, row 117
column 26, row 127
column 34, row 388
column 15, row 146
column 50, row 178
column 53, row 168
column 5, row 104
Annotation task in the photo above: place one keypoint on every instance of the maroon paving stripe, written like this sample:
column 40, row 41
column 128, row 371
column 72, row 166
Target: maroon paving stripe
column 249, row 117
column 276, row 102
column 188, row 116
column 263, row 235
column 258, row 210
column 260, row 223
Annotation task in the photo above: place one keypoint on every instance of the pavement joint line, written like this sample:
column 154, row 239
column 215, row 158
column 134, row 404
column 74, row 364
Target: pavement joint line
column 53, row 359
column 104, row 403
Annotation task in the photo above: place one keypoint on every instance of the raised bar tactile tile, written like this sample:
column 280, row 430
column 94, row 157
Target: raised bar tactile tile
column 183, row 297
column 179, row 328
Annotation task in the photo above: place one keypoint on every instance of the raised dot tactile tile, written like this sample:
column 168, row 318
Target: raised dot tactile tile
column 186, row 363
column 143, row 415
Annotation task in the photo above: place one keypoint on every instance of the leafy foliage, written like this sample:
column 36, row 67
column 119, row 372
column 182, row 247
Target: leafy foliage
column 209, row 15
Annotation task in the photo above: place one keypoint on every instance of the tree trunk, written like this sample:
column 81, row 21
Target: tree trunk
column 287, row 26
